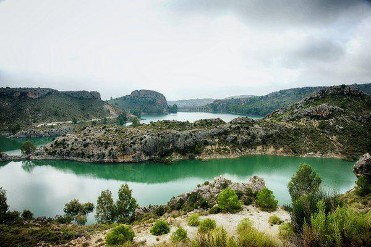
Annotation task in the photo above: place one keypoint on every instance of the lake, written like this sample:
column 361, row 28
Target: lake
column 45, row 186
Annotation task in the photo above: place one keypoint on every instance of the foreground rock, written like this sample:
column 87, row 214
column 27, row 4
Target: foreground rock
column 363, row 166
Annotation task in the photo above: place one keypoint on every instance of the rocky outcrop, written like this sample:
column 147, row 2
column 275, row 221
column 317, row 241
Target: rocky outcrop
column 363, row 166
column 3, row 157
column 205, row 196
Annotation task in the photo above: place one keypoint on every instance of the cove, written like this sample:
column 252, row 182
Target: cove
column 45, row 186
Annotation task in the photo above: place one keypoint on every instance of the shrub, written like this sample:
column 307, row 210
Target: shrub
column 363, row 186
column 228, row 201
column 28, row 148
column 27, row 214
column 266, row 200
column 249, row 236
column 78, row 211
column 286, row 231
column 193, row 220
column 215, row 210
column 120, row 235
column 63, row 219
column 179, row 235
column 305, row 181
column 125, row 205
column 105, row 212
column 81, row 219
column 274, row 220
column 160, row 227
column 217, row 237
column 3, row 205
column 206, row 225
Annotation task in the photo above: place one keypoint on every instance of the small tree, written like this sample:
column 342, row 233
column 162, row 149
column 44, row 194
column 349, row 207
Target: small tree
column 28, row 148
column 228, row 201
column 266, row 200
column 363, row 186
column 122, row 118
column 135, row 122
column 160, row 227
column 125, row 205
column 305, row 181
column 3, row 205
column 105, row 212
column 78, row 211
column 120, row 235
column 27, row 214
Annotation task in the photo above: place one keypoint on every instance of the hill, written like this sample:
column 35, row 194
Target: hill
column 142, row 102
column 334, row 122
column 189, row 103
column 263, row 105
column 28, row 106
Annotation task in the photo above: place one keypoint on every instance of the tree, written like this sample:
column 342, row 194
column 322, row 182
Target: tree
column 135, row 122
column 27, row 214
column 228, row 201
column 105, row 212
column 122, row 118
column 3, row 205
column 173, row 108
column 78, row 211
column 28, row 148
column 305, row 181
column 125, row 205
column 266, row 200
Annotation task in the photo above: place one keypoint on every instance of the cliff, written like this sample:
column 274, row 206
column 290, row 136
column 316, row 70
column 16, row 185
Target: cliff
column 28, row 106
column 142, row 102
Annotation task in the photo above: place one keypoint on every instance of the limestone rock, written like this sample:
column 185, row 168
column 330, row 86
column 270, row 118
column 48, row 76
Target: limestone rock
column 363, row 166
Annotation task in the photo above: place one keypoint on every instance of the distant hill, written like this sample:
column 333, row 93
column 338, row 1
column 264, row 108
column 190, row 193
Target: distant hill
column 263, row 105
column 27, row 106
column 142, row 102
column 188, row 103
column 240, row 97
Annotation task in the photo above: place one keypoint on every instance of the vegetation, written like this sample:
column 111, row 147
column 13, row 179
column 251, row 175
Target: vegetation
column 228, row 201
column 28, row 148
column 206, row 225
column 106, row 210
column 304, row 182
column 78, row 211
column 27, row 215
column 120, row 235
column 274, row 220
column 3, row 205
column 122, row 118
column 135, row 122
column 193, row 220
column 160, row 227
column 266, row 201
column 363, row 187
column 125, row 205
column 179, row 235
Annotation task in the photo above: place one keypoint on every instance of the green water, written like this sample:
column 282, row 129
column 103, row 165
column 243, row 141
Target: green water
column 13, row 146
column 45, row 186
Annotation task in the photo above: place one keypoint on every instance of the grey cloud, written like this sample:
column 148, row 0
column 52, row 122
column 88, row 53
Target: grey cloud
column 281, row 12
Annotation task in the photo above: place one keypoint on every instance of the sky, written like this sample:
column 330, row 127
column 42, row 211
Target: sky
column 184, row 48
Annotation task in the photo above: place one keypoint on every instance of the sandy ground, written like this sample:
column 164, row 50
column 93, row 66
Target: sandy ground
column 228, row 221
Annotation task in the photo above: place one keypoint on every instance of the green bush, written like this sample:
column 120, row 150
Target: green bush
column 3, row 205
column 214, row 210
column 363, row 186
column 63, row 219
column 78, row 211
column 206, row 225
column 193, row 220
column 305, row 181
column 27, row 214
column 228, row 201
column 274, row 220
column 217, row 237
column 81, row 219
column 28, row 148
column 179, row 235
column 286, row 231
column 160, row 227
column 120, row 235
column 249, row 236
column 266, row 200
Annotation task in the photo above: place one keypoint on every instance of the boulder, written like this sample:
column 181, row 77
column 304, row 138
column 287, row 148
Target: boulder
column 363, row 166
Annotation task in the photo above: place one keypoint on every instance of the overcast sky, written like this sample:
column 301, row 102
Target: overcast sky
column 184, row 48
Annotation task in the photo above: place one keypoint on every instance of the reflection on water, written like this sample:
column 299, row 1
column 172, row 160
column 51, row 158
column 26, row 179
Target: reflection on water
column 45, row 186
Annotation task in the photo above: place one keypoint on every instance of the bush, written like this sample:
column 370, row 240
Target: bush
column 160, row 227
column 266, row 200
column 286, row 231
column 78, row 211
column 305, row 181
column 274, row 220
column 215, row 210
column 28, row 148
column 120, row 235
column 81, row 219
column 228, row 201
column 217, row 237
column 63, row 219
column 125, row 205
column 27, row 214
column 3, row 205
column 363, row 186
column 206, row 225
column 179, row 235
column 106, row 211
column 249, row 236
column 193, row 220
